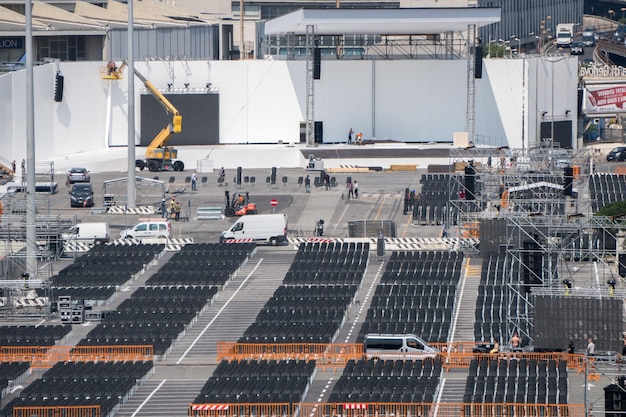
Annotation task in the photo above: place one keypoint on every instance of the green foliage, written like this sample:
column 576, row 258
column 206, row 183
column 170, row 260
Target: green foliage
column 493, row 50
column 613, row 209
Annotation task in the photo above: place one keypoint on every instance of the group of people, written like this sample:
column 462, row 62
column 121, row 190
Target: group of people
column 173, row 210
column 359, row 137
column 410, row 197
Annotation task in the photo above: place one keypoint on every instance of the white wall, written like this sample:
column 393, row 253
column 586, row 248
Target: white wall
column 264, row 101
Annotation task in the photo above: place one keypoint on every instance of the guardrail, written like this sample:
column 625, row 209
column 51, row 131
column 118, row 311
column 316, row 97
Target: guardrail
column 361, row 409
column 57, row 411
column 209, row 213
column 47, row 356
column 453, row 355
column 326, row 355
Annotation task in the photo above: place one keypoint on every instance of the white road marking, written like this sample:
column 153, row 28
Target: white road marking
column 218, row 313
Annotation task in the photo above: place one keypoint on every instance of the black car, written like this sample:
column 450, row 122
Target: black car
column 617, row 154
column 577, row 48
column 81, row 195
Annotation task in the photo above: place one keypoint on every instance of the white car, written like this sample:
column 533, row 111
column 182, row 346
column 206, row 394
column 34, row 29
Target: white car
column 589, row 31
column 152, row 229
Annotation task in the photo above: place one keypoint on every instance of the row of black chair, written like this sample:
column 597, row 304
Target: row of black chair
column 261, row 381
column 433, row 332
column 82, row 383
column 393, row 368
column 33, row 335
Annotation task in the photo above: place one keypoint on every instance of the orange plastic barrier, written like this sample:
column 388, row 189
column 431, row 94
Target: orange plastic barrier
column 325, row 355
column 363, row 409
column 576, row 171
column 453, row 355
column 463, row 360
column 47, row 356
column 58, row 411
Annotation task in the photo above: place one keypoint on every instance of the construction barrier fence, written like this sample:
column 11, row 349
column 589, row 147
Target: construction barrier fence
column 361, row 409
column 453, row 355
column 58, row 411
column 47, row 356
column 325, row 355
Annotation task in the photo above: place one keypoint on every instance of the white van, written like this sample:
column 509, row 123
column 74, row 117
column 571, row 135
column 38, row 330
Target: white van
column 397, row 346
column 88, row 233
column 151, row 228
column 261, row 228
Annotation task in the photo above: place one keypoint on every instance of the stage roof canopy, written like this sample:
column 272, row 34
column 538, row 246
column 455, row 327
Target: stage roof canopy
column 413, row 21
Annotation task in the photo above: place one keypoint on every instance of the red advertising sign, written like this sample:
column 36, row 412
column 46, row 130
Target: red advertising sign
column 605, row 99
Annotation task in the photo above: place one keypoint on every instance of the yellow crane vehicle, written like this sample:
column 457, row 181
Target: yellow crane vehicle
column 159, row 157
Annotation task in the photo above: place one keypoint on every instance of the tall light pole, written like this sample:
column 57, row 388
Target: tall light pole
column 241, row 47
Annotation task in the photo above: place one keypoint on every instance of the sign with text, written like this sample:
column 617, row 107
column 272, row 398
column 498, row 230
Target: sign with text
column 11, row 43
column 605, row 99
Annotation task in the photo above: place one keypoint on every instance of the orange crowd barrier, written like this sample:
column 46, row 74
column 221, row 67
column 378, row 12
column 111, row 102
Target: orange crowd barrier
column 58, row 411
column 325, row 355
column 362, row 409
column 47, row 356
column 463, row 360
column 454, row 355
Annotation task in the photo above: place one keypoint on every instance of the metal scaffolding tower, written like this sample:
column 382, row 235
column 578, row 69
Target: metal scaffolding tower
column 471, row 81
column 518, row 202
column 310, row 92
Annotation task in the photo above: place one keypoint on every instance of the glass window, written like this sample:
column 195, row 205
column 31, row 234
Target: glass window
column 141, row 227
column 414, row 344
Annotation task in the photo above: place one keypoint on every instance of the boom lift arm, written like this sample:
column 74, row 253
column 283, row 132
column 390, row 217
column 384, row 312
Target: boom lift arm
column 158, row 155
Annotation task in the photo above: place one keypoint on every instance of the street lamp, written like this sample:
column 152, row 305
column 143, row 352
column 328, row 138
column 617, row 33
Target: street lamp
column 611, row 13
column 623, row 9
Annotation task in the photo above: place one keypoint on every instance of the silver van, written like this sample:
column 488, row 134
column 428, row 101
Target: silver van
column 397, row 346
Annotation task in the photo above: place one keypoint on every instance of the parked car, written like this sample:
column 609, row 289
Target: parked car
column 81, row 195
column 577, row 48
column 78, row 175
column 589, row 31
column 617, row 154
column 155, row 228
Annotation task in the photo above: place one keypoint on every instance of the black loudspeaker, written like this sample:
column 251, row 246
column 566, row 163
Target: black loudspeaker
column 470, row 183
column 238, row 175
column 478, row 62
column 614, row 400
column 58, row 88
column 273, row 176
column 317, row 63
column 568, row 179
column 531, row 260
column 621, row 269
column 318, row 136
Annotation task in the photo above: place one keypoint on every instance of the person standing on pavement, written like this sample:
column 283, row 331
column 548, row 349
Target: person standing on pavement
column 163, row 209
column 307, row 184
column 407, row 200
column 350, row 132
column 591, row 347
column 355, row 189
column 350, row 190
column 194, row 181
column 172, row 206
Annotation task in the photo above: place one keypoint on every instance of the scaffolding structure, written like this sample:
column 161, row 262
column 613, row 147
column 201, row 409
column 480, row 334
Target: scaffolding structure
column 22, row 295
column 534, row 206
column 363, row 46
